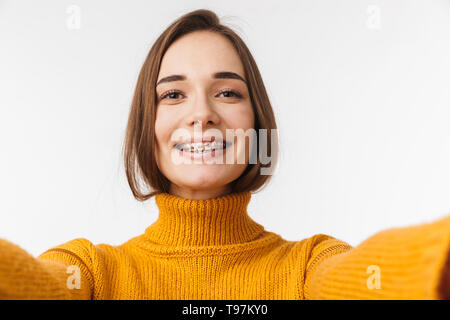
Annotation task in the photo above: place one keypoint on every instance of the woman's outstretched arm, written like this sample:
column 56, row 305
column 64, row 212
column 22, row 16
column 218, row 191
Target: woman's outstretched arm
column 398, row 263
column 53, row 275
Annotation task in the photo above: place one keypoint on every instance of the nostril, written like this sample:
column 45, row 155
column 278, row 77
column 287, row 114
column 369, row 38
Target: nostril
column 200, row 122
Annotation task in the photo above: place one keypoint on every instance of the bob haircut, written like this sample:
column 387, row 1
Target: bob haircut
column 140, row 143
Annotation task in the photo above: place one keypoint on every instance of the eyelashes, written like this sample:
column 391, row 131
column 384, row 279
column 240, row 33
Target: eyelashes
column 234, row 94
column 168, row 93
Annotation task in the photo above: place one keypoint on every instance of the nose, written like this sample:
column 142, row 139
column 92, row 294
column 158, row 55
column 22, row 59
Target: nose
column 203, row 112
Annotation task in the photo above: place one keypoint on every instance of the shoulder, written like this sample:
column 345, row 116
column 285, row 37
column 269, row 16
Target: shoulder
column 308, row 252
column 79, row 246
column 79, row 251
column 301, row 254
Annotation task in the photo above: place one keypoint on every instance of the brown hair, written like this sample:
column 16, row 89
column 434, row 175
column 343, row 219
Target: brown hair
column 139, row 144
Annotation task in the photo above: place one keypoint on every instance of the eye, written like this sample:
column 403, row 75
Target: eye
column 230, row 93
column 173, row 94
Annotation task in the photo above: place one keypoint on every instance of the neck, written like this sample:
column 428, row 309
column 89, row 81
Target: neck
column 199, row 194
column 218, row 221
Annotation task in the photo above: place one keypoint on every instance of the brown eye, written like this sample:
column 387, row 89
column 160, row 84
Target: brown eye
column 230, row 94
column 173, row 94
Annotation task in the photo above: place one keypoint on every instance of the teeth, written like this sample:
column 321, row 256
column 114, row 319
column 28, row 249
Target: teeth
column 201, row 147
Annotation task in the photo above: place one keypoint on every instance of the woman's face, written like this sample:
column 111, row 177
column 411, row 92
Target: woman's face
column 208, row 96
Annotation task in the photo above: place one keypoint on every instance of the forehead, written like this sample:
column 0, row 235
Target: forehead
column 200, row 54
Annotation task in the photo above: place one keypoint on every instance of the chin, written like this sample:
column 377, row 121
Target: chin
column 204, row 177
column 199, row 180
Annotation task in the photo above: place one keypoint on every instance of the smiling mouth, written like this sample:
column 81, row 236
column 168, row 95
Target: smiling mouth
column 202, row 147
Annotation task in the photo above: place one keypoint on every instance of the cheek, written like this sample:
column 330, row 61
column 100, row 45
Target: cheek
column 240, row 118
column 163, row 129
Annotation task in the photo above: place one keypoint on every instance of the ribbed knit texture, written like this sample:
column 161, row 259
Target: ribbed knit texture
column 212, row 249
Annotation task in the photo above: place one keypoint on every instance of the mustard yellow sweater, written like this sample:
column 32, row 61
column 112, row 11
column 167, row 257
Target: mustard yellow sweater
column 212, row 249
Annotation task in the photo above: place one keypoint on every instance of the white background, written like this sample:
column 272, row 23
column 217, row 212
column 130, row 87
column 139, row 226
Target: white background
column 360, row 90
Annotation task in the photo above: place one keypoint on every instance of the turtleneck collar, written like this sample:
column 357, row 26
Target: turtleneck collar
column 219, row 221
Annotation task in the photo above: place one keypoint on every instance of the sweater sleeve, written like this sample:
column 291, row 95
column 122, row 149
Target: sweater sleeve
column 398, row 263
column 60, row 273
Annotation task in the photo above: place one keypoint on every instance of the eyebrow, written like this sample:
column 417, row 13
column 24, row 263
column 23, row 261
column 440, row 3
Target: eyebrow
column 217, row 75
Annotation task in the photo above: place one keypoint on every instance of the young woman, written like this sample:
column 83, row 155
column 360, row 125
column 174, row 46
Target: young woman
column 199, row 83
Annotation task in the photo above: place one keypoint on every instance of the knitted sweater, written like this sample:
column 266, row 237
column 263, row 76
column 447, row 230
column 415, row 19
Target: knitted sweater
column 212, row 249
